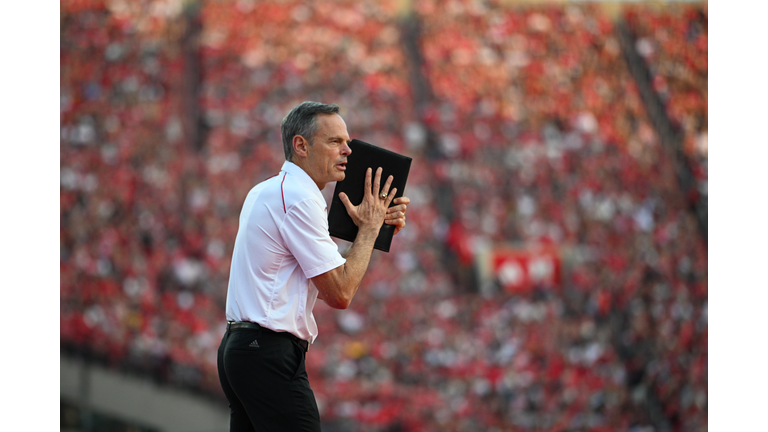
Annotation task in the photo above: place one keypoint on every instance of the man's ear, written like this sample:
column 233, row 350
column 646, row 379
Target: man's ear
column 300, row 146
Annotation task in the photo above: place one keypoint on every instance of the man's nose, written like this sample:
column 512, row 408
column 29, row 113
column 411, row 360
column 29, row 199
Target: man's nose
column 346, row 150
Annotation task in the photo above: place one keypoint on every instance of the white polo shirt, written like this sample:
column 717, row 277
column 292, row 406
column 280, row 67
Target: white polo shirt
column 282, row 241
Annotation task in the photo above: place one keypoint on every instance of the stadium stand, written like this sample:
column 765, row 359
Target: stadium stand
column 531, row 137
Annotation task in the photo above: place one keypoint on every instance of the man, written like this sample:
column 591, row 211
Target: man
column 283, row 261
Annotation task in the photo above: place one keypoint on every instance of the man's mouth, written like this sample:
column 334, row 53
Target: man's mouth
column 342, row 166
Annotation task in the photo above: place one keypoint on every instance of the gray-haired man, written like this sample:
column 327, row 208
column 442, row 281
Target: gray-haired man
column 281, row 246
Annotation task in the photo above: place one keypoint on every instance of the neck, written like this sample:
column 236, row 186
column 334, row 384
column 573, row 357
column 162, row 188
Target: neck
column 301, row 164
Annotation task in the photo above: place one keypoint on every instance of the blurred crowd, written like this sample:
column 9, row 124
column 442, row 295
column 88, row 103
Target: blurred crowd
column 533, row 133
column 673, row 43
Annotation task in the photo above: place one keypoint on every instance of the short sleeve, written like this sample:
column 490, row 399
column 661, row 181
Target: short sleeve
column 305, row 232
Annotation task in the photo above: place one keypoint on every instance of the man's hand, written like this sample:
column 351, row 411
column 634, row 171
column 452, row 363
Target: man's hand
column 338, row 286
column 396, row 214
column 371, row 212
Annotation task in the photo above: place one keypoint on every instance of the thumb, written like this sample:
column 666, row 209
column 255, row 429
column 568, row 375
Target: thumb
column 345, row 200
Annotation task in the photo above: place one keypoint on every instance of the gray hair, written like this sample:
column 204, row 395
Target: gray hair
column 302, row 120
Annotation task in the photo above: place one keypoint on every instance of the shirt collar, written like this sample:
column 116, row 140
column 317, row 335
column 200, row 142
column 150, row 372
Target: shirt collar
column 296, row 171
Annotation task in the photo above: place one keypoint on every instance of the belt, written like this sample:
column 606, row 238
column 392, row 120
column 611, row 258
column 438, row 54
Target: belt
column 234, row 325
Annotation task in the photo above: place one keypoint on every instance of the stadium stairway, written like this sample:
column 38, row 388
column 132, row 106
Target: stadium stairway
column 671, row 136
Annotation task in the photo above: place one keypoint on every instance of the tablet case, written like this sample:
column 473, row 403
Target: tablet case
column 363, row 156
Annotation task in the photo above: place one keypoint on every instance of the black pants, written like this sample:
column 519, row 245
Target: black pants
column 265, row 380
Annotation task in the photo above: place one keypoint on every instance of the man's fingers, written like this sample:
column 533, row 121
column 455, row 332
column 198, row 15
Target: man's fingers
column 376, row 182
column 396, row 213
column 391, row 196
column 402, row 200
column 367, row 189
column 385, row 189
column 401, row 205
column 398, row 223
column 395, row 220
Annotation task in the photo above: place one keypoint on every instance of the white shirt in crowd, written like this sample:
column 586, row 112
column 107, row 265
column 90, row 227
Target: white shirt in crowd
column 282, row 242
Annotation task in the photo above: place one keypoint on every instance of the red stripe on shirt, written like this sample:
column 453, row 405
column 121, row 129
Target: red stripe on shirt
column 281, row 192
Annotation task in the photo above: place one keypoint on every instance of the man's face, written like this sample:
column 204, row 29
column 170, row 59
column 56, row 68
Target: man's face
column 327, row 156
